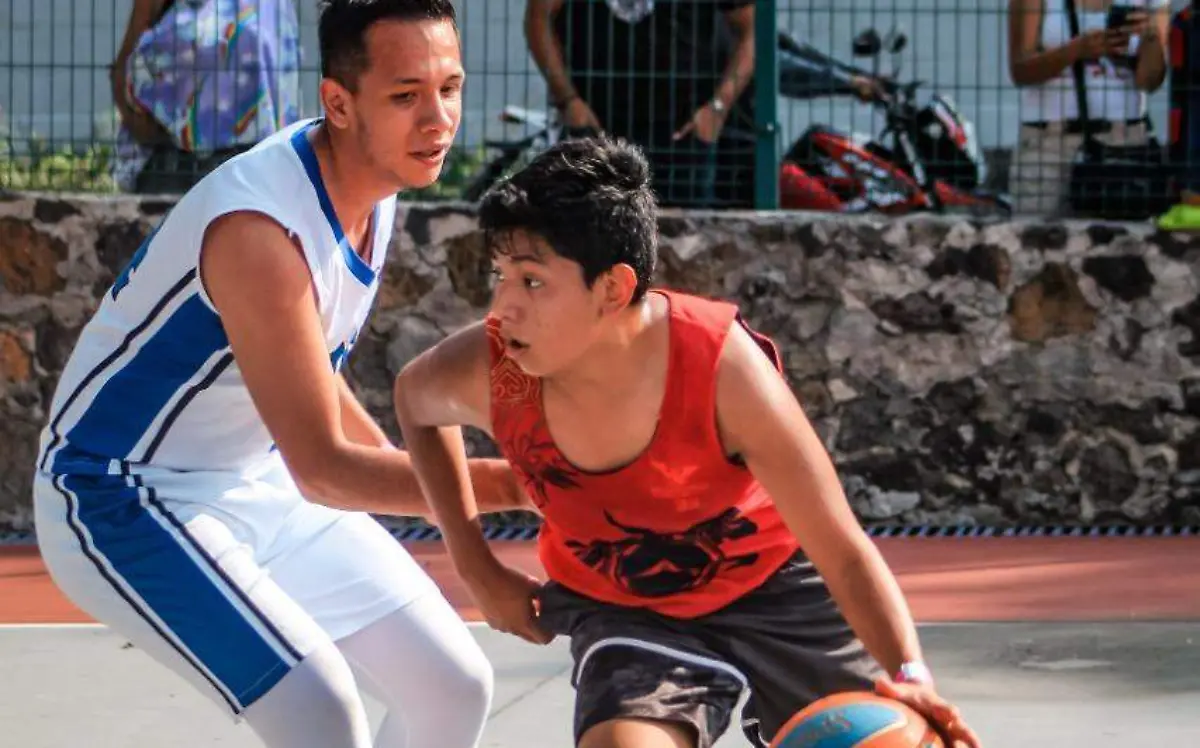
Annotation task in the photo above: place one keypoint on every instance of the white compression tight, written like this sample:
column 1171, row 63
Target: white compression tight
column 420, row 662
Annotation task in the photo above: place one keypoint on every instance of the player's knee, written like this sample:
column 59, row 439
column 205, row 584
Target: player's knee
column 316, row 704
column 333, row 691
column 473, row 683
column 465, row 688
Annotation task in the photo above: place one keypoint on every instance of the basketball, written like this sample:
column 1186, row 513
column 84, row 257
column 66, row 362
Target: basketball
column 857, row 720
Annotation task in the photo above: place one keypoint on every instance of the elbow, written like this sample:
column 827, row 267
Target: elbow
column 313, row 469
column 853, row 561
column 1150, row 81
column 530, row 28
column 534, row 27
column 312, row 478
column 1018, row 72
column 401, row 401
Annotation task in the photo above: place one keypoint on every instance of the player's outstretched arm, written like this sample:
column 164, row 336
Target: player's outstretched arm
column 440, row 391
column 260, row 285
column 762, row 421
column 435, row 395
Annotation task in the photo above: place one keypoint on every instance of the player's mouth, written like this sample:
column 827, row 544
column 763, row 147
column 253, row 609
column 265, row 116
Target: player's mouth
column 431, row 156
column 512, row 345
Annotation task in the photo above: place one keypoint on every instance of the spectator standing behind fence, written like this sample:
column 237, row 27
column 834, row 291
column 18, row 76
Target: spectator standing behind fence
column 673, row 76
column 1121, row 67
column 197, row 81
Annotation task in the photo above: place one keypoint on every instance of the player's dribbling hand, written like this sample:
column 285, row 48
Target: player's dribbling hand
column 944, row 717
column 506, row 599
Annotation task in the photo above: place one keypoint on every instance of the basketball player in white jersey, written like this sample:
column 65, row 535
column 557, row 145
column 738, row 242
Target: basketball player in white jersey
column 205, row 475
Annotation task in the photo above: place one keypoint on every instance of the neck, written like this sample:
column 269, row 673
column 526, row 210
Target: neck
column 353, row 189
column 616, row 360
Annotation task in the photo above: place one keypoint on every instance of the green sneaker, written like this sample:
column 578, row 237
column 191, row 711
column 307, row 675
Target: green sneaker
column 1181, row 217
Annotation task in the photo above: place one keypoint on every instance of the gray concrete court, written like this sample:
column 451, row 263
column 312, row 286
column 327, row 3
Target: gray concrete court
column 1022, row 685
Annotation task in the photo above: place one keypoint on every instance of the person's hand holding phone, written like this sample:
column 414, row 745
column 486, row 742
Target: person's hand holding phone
column 1123, row 23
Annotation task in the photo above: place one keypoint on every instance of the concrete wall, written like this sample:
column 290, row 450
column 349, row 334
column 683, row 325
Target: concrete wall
column 960, row 373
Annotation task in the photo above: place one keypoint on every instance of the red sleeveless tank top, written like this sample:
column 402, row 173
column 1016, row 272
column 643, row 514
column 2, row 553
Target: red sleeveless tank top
column 681, row 530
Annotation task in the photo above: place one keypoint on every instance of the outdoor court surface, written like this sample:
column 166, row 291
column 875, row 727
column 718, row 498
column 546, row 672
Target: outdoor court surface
column 1045, row 642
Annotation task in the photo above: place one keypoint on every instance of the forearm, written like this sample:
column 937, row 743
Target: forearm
column 547, row 53
column 812, row 74
column 869, row 597
column 382, row 480
column 739, row 70
column 441, row 467
column 1151, row 68
column 1039, row 67
column 357, row 424
column 855, row 572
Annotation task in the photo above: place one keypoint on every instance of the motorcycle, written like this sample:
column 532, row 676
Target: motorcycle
column 927, row 157
column 932, row 163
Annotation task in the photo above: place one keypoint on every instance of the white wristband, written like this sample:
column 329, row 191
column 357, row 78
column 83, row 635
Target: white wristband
column 914, row 672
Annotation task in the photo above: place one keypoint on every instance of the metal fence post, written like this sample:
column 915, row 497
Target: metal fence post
column 766, row 91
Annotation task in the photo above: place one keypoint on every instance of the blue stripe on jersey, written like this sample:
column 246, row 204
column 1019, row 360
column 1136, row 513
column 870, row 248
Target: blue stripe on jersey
column 108, row 361
column 147, row 565
column 127, row 404
column 360, row 269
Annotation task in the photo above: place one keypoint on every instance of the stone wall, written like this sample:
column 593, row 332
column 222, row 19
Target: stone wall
column 960, row 372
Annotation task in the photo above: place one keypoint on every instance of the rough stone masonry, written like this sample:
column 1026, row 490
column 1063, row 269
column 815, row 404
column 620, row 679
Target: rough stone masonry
column 959, row 372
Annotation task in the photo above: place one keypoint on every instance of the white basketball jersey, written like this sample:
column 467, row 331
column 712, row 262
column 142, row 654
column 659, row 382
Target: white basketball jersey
column 152, row 381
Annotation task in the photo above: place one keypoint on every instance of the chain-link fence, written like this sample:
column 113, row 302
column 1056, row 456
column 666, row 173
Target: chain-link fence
column 738, row 104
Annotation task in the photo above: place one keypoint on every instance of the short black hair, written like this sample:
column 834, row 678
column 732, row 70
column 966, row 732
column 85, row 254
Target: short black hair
column 342, row 30
column 590, row 199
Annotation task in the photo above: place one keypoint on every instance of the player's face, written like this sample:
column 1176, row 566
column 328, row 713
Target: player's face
column 548, row 316
column 409, row 99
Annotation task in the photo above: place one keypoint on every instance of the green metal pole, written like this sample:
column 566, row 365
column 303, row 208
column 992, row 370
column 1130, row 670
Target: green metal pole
column 766, row 91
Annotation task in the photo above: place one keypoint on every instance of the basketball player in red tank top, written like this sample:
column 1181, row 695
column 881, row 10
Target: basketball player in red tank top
column 700, row 552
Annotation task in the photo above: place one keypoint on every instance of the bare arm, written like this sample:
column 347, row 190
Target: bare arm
column 141, row 125
column 761, row 420
column 1151, row 68
column 740, row 68
column 437, row 393
column 546, row 49
column 440, row 391
column 268, row 310
column 1028, row 64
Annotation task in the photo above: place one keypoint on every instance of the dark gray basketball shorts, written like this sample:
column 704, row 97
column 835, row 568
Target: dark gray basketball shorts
column 771, row 652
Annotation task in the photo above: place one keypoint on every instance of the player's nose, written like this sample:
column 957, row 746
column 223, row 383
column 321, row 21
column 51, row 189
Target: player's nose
column 438, row 115
column 505, row 306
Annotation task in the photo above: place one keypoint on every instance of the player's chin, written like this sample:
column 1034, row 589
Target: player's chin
column 528, row 364
column 423, row 169
column 419, row 179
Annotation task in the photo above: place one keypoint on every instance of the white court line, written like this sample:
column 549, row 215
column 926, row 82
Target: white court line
column 88, row 626
column 483, row 624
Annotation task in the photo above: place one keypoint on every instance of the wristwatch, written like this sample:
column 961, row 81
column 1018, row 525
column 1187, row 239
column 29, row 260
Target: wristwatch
column 717, row 105
column 917, row 673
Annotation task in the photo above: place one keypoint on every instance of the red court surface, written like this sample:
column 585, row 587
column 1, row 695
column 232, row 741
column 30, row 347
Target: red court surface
column 945, row 579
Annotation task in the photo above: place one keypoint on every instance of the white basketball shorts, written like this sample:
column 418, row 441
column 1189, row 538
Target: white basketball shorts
column 228, row 580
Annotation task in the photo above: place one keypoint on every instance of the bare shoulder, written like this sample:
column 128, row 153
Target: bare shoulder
column 448, row 384
column 743, row 361
column 247, row 250
column 751, row 391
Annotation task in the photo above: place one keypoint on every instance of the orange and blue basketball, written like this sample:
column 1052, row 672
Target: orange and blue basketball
column 857, row 720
